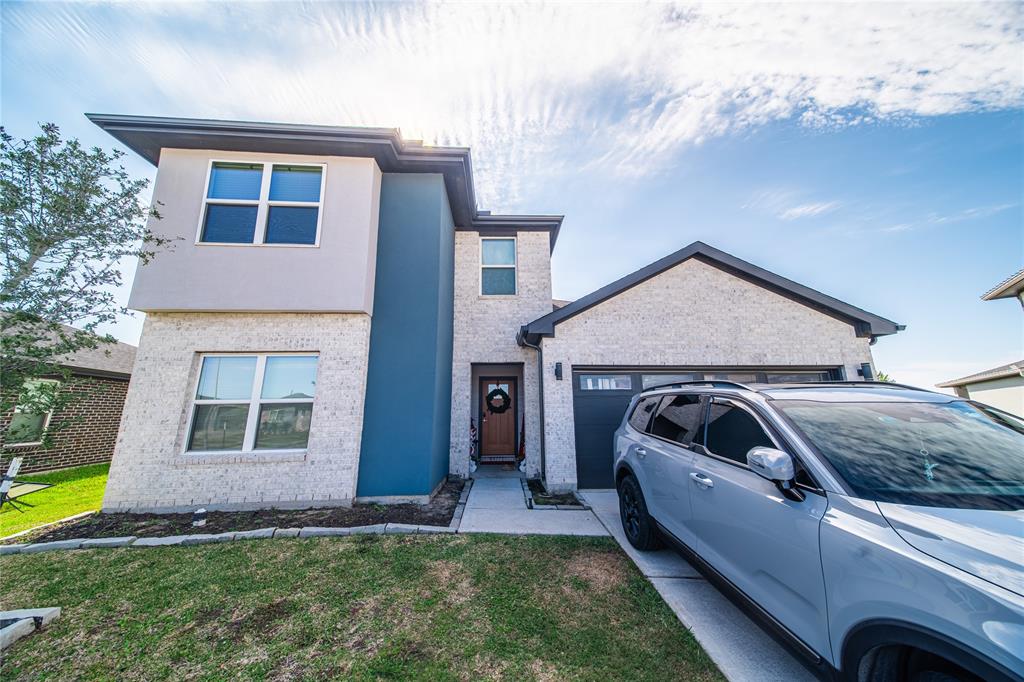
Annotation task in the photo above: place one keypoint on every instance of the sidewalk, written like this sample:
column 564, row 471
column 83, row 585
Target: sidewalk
column 740, row 648
column 497, row 505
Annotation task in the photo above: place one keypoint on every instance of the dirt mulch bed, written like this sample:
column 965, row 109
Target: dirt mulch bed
column 541, row 496
column 438, row 512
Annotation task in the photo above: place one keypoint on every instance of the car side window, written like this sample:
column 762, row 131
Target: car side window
column 731, row 431
column 641, row 416
column 677, row 418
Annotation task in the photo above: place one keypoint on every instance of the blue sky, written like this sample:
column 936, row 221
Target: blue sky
column 873, row 152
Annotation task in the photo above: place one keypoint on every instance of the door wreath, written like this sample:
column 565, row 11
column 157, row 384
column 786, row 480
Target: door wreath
column 497, row 401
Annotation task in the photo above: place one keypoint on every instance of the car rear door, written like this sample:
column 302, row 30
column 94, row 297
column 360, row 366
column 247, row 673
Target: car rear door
column 761, row 541
column 670, row 461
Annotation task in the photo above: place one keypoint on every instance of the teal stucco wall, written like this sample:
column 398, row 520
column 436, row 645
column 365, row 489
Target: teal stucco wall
column 407, row 414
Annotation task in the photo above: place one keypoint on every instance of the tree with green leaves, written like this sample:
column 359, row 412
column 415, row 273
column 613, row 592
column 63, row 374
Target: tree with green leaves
column 70, row 218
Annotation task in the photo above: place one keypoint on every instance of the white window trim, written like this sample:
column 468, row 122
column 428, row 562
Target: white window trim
column 255, row 399
column 514, row 266
column 263, row 204
column 46, row 424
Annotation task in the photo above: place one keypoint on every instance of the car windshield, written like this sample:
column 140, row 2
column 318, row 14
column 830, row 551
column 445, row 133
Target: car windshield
column 932, row 454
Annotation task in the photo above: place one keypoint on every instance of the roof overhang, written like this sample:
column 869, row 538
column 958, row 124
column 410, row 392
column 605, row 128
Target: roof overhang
column 1011, row 287
column 864, row 323
column 148, row 135
column 1011, row 370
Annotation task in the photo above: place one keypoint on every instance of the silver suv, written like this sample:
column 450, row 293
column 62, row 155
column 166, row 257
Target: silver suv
column 876, row 528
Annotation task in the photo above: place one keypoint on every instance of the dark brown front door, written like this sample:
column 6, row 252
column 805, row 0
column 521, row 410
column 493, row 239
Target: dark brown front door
column 498, row 420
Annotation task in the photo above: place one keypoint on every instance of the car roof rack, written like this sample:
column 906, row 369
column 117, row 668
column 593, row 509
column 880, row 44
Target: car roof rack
column 719, row 383
column 847, row 382
column 714, row 383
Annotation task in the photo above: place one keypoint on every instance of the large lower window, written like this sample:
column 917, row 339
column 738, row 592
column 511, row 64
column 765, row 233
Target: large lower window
column 29, row 422
column 253, row 402
column 262, row 203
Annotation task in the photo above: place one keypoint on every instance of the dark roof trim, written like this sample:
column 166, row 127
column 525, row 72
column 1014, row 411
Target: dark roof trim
column 865, row 323
column 147, row 135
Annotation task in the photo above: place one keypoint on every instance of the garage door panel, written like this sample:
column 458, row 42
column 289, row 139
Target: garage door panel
column 597, row 413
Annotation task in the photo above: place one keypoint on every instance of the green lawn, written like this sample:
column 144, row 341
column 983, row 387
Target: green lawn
column 364, row 607
column 74, row 491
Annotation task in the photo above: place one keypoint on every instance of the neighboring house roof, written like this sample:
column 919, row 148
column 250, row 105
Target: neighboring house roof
column 107, row 359
column 1009, row 288
column 865, row 323
column 147, row 135
column 1012, row 369
column 557, row 303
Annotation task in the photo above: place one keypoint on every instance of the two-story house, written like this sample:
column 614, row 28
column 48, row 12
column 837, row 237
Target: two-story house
column 337, row 321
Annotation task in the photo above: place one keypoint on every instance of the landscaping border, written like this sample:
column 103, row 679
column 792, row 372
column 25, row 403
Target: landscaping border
column 530, row 504
column 261, row 533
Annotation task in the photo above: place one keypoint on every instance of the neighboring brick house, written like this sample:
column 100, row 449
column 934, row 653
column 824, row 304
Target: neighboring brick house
column 338, row 321
column 84, row 431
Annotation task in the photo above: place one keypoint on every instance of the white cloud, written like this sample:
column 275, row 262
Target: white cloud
column 616, row 86
column 808, row 210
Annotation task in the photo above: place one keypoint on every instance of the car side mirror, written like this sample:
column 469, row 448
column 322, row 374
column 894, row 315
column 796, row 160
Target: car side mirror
column 776, row 466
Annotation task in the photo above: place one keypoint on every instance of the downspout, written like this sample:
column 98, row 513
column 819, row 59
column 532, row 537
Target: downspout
column 521, row 338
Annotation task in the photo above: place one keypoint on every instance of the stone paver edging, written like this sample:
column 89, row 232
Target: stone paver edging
column 530, row 504
column 260, row 533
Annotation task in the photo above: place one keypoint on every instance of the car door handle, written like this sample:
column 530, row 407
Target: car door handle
column 701, row 479
column 640, row 452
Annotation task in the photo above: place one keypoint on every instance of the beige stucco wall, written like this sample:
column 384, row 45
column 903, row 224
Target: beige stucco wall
column 1005, row 394
column 692, row 314
column 150, row 468
column 485, row 332
column 336, row 276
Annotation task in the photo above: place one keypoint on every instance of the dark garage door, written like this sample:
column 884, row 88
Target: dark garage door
column 600, row 398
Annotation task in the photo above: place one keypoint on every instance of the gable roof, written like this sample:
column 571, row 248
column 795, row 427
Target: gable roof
column 1012, row 369
column 147, row 135
column 866, row 324
column 1008, row 288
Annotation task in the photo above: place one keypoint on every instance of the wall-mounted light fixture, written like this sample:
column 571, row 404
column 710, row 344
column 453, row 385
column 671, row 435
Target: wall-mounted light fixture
column 865, row 371
column 558, row 371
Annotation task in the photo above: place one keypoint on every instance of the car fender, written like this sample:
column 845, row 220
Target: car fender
column 883, row 632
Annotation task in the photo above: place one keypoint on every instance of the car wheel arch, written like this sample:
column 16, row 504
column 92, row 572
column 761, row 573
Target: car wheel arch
column 870, row 635
column 621, row 472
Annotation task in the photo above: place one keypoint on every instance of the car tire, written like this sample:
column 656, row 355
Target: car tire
column 637, row 524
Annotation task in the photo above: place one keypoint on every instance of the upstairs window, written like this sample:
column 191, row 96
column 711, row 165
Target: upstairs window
column 262, row 203
column 498, row 266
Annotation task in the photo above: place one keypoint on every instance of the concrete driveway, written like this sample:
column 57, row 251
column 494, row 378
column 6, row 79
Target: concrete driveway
column 740, row 648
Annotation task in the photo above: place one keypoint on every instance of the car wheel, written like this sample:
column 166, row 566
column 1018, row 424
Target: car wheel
column 636, row 522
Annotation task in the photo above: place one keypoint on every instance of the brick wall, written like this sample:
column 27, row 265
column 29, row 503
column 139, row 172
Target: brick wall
column 485, row 332
column 83, row 432
column 693, row 314
column 152, row 471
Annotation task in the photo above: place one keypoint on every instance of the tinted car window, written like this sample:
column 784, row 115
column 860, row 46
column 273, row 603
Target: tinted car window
column 641, row 416
column 732, row 431
column 952, row 454
column 677, row 418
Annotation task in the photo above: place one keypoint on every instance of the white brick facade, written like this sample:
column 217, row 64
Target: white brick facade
column 692, row 314
column 485, row 332
column 150, row 469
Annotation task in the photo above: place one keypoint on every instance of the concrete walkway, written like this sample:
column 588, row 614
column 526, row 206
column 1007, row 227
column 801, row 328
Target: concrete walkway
column 497, row 505
column 741, row 649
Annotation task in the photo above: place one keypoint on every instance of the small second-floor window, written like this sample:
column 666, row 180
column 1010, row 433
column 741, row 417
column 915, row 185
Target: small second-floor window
column 498, row 266
column 262, row 203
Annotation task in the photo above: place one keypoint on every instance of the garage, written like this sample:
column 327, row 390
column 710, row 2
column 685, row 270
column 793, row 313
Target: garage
column 601, row 396
column 697, row 314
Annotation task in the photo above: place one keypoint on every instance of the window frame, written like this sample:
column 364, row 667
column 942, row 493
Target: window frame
column 255, row 399
column 514, row 266
column 46, row 421
column 263, row 203
column 582, row 389
column 778, row 442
